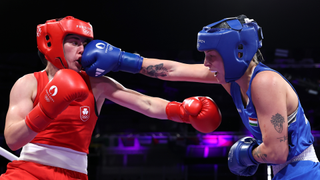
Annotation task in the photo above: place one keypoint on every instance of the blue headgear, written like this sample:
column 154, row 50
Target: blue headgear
column 237, row 43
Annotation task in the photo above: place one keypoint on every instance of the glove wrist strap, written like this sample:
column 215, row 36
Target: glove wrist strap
column 129, row 62
column 174, row 113
column 37, row 120
column 246, row 154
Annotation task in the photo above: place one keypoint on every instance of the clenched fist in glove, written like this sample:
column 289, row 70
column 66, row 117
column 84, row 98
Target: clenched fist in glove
column 240, row 159
column 65, row 87
column 100, row 57
column 201, row 112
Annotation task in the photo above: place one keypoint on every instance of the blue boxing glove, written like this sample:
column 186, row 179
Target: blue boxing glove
column 240, row 159
column 100, row 57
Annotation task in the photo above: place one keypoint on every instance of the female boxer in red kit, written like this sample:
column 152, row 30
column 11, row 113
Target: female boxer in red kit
column 52, row 113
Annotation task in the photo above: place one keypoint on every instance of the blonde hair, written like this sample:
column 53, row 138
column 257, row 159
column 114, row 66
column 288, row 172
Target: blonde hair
column 258, row 57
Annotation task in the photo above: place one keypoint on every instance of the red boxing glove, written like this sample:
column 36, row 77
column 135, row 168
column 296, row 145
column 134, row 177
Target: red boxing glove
column 66, row 86
column 201, row 112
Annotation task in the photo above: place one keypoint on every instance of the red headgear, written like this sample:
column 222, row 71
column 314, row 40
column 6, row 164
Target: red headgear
column 50, row 37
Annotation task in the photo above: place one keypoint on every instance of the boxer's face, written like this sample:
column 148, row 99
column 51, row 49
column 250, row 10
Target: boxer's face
column 214, row 62
column 73, row 47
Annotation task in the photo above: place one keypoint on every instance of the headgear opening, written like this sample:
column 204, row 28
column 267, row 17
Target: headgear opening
column 50, row 37
column 236, row 39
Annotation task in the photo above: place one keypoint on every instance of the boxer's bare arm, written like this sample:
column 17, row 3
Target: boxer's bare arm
column 176, row 71
column 16, row 132
column 107, row 88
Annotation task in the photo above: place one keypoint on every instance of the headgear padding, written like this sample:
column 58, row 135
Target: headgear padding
column 236, row 41
column 50, row 37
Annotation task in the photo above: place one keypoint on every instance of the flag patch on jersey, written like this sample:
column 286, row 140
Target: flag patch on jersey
column 253, row 121
column 84, row 113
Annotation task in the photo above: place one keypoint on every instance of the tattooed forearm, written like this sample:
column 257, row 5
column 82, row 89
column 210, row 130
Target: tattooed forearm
column 283, row 139
column 277, row 120
column 155, row 71
column 259, row 155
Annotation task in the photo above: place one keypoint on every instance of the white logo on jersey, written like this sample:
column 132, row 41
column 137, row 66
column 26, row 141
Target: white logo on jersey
column 99, row 72
column 84, row 113
column 100, row 45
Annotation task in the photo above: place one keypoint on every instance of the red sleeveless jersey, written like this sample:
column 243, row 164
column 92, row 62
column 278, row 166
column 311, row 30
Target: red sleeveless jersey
column 72, row 128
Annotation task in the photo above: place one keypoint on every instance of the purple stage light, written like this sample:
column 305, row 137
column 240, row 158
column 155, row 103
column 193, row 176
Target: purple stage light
column 206, row 152
column 128, row 143
column 218, row 140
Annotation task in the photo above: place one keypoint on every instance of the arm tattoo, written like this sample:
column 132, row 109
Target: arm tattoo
column 155, row 71
column 284, row 138
column 258, row 154
column 277, row 121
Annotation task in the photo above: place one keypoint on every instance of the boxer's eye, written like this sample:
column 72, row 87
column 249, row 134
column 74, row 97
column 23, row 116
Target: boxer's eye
column 75, row 43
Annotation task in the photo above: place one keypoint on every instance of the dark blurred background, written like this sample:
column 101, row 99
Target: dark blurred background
column 129, row 146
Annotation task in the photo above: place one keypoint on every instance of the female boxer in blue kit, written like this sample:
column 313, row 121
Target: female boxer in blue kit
column 267, row 103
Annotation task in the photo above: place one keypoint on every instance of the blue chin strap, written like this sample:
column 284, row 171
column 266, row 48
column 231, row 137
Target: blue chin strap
column 236, row 45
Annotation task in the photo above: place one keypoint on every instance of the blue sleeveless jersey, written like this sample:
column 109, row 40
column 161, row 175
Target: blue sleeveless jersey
column 299, row 130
